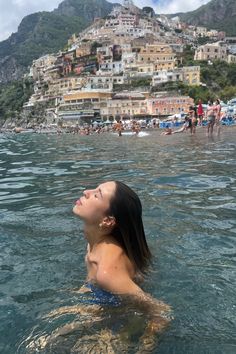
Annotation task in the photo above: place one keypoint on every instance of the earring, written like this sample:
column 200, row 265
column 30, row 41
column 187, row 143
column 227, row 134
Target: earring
column 100, row 225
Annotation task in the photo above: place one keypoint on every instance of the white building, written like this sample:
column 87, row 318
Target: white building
column 114, row 68
column 166, row 76
column 231, row 59
column 40, row 65
column 102, row 83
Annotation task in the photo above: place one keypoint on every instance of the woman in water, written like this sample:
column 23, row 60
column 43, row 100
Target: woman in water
column 117, row 259
column 117, row 252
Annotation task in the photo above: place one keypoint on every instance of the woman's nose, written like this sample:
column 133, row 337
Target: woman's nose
column 86, row 193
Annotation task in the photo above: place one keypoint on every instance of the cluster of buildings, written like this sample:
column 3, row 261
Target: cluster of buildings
column 91, row 80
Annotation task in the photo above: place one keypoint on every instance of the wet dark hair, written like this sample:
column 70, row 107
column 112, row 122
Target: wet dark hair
column 126, row 208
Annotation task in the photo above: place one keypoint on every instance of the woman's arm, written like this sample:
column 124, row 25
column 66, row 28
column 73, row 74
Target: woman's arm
column 158, row 319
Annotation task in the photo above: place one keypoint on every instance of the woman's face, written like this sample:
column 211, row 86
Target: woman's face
column 94, row 203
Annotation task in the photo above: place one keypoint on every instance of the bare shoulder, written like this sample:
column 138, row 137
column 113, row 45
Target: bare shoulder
column 115, row 271
column 111, row 253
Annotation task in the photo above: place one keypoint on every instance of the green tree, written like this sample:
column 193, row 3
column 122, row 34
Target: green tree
column 227, row 93
column 13, row 96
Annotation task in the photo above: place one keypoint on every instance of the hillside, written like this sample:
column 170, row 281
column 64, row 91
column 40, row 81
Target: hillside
column 46, row 32
column 217, row 14
column 86, row 9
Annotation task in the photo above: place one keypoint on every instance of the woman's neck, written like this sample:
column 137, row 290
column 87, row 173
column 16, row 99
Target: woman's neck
column 95, row 235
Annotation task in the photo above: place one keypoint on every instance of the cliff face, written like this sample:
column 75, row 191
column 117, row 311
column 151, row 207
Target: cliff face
column 217, row 14
column 46, row 32
column 10, row 69
column 87, row 9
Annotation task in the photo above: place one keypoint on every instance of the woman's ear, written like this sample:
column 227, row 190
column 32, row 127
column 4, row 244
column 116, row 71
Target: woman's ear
column 108, row 221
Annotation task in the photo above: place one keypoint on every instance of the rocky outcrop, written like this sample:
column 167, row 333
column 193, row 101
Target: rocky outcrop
column 217, row 14
column 10, row 69
column 88, row 9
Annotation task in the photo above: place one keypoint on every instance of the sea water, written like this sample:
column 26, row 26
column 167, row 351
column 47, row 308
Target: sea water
column 187, row 186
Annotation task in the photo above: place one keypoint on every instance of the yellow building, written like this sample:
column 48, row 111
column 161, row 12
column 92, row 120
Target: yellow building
column 161, row 55
column 147, row 68
column 64, row 85
column 82, row 106
column 125, row 105
column 86, row 96
column 191, row 75
column 83, row 49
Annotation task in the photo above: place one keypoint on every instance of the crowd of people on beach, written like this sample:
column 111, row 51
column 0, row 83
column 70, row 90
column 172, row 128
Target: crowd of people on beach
column 196, row 116
column 117, row 127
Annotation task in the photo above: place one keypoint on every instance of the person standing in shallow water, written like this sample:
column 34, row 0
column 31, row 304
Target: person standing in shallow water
column 210, row 112
column 218, row 116
column 119, row 127
column 200, row 112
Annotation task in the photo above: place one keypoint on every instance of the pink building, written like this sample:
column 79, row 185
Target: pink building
column 164, row 106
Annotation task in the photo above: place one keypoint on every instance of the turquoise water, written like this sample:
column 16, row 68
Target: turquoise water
column 187, row 186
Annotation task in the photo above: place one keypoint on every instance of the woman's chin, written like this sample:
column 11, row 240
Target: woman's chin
column 75, row 210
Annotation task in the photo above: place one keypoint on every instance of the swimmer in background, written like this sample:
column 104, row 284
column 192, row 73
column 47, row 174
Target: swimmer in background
column 184, row 128
column 119, row 127
column 168, row 131
column 192, row 120
column 135, row 127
